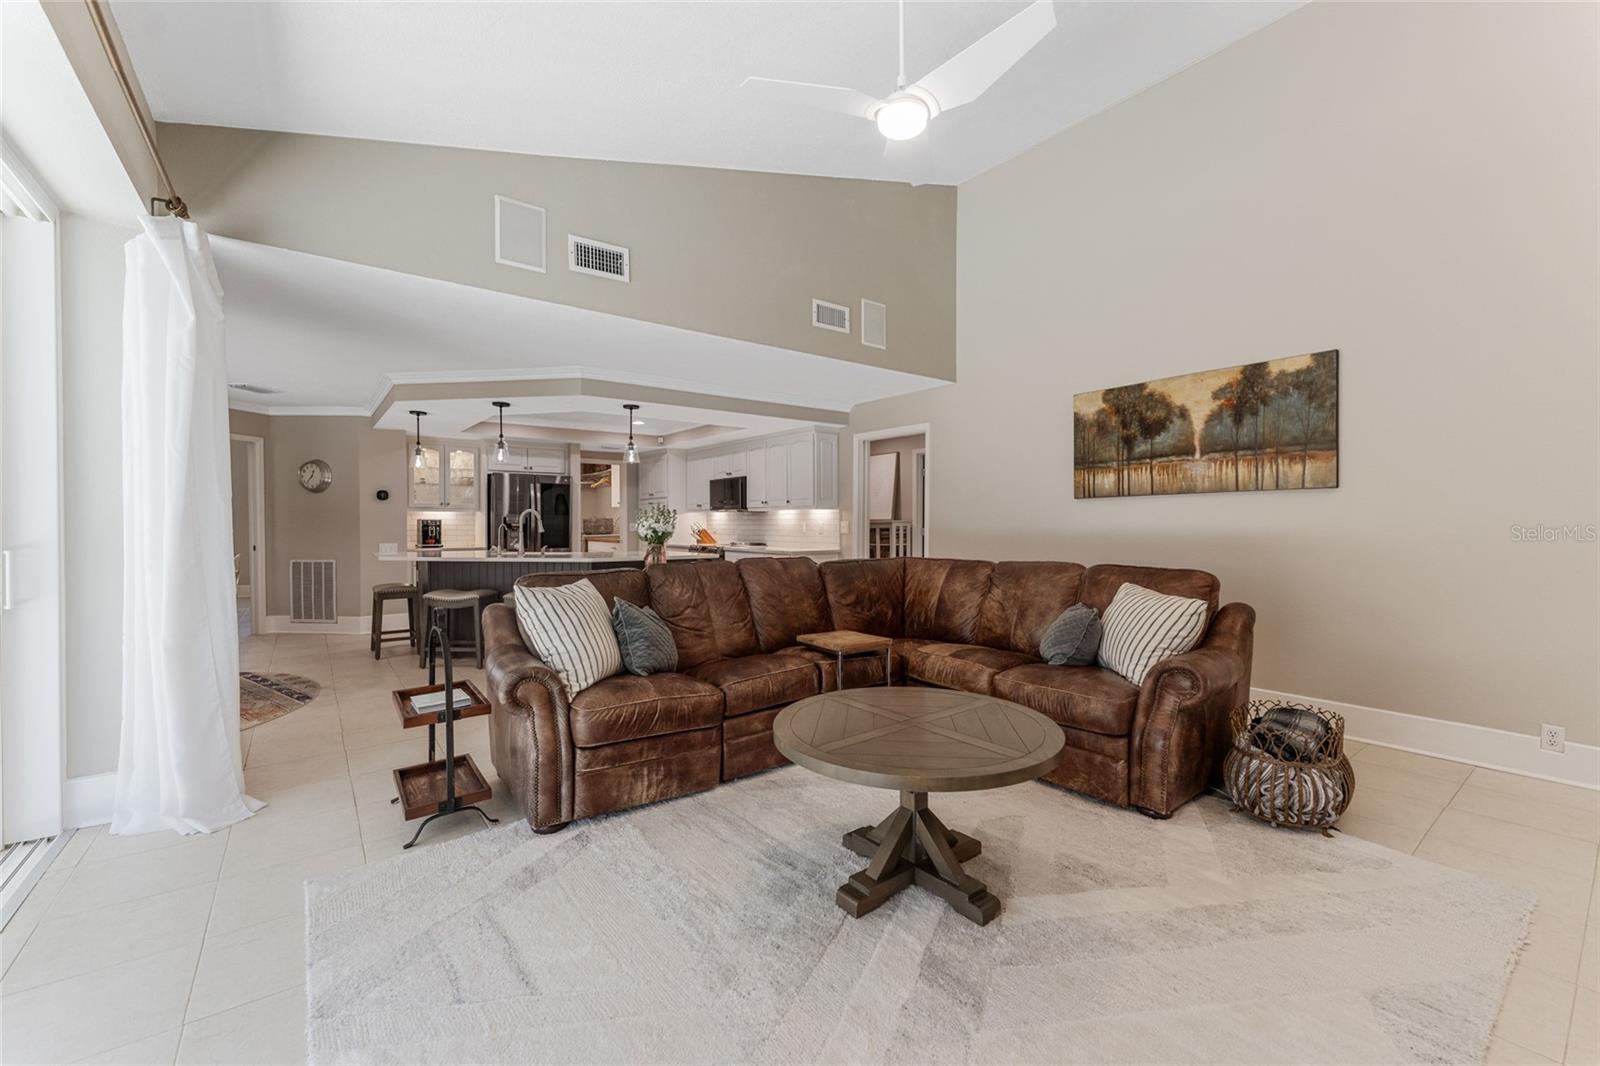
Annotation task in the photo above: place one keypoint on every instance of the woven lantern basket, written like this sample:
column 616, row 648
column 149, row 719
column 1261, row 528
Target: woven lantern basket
column 1287, row 764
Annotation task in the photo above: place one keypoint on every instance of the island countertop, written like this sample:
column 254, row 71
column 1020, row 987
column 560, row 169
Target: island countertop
column 482, row 555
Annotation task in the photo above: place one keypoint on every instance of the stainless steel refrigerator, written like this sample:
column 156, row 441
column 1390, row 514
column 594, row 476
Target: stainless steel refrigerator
column 510, row 497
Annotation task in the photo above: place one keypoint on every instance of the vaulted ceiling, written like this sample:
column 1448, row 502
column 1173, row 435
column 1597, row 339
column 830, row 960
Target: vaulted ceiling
column 653, row 82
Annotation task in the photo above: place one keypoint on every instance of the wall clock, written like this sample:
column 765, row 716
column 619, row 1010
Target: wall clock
column 315, row 475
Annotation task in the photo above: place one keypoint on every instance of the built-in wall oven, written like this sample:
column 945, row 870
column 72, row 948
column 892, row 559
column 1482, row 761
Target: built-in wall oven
column 728, row 494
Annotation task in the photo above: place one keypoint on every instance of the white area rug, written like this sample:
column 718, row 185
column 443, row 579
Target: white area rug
column 704, row 930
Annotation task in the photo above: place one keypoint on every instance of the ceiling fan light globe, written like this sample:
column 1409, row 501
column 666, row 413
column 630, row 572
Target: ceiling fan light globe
column 902, row 118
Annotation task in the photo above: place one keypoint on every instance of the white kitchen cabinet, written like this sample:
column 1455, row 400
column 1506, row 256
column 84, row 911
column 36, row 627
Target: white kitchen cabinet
column 663, row 479
column 802, row 471
column 699, row 483
column 461, row 478
column 826, row 478
column 730, row 463
column 652, row 477
column 799, row 469
column 755, row 477
column 777, row 471
column 532, row 459
column 448, row 479
column 425, row 481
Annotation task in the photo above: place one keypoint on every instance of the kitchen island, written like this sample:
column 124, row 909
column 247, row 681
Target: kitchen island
column 476, row 568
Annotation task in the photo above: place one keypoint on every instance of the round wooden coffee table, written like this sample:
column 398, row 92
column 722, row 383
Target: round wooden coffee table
column 917, row 741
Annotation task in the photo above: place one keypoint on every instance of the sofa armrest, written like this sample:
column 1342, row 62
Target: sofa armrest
column 1180, row 729
column 530, row 730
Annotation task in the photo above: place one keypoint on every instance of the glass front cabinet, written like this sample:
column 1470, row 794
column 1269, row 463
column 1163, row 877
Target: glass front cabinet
column 447, row 479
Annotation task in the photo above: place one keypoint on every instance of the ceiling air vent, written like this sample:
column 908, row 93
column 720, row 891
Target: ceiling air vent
column 874, row 324
column 825, row 315
column 518, row 234
column 596, row 257
column 259, row 390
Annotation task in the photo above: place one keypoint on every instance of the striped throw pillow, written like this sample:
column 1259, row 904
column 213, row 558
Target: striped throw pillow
column 570, row 629
column 1141, row 627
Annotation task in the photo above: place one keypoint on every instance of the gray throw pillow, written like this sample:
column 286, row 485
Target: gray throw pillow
column 1071, row 640
column 645, row 640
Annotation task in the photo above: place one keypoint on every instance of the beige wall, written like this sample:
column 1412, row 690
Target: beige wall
column 1411, row 184
column 346, row 522
column 91, row 381
column 726, row 252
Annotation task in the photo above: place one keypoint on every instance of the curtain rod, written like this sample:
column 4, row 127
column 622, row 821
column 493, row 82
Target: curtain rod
column 172, row 202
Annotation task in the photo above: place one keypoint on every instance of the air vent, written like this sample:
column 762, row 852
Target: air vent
column 311, row 591
column 518, row 234
column 595, row 257
column 259, row 390
column 874, row 324
column 825, row 315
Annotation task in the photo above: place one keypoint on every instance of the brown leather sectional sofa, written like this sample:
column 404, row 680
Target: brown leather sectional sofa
column 959, row 624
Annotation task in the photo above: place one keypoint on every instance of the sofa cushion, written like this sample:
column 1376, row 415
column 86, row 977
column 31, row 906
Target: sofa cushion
column 1082, row 697
column 704, row 605
column 944, row 598
column 646, row 642
column 1100, row 584
column 626, row 707
column 1023, row 599
column 866, row 595
column 1142, row 627
column 786, row 599
column 968, row 667
column 754, row 682
column 570, row 629
column 1071, row 640
column 629, row 584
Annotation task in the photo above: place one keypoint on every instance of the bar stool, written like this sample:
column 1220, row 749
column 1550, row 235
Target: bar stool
column 394, row 590
column 453, row 600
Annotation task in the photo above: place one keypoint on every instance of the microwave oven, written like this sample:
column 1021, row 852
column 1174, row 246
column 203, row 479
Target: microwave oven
column 727, row 494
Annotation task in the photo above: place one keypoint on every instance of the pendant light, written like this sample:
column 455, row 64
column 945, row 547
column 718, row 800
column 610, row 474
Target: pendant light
column 632, row 454
column 500, row 449
column 416, row 453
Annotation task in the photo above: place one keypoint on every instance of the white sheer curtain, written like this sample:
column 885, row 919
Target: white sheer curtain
column 179, row 765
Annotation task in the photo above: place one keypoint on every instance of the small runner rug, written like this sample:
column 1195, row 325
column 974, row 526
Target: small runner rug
column 704, row 930
column 263, row 697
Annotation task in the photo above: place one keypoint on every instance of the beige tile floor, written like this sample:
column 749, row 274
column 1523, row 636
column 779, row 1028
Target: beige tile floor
column 191, row 949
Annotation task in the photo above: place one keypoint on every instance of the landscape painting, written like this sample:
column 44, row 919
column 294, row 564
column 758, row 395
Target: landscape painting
column 1261, row 426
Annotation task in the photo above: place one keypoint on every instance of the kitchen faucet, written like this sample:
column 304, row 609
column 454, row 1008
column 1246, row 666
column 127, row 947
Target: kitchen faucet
column 538, row 523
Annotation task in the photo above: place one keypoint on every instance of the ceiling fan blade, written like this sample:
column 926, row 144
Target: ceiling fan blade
column 805, row 94
column 966, row 75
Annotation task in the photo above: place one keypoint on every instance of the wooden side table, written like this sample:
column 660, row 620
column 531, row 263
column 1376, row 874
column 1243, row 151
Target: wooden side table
column 441, row 787
column 845, row 644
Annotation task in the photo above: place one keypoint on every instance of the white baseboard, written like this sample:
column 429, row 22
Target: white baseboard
column 1496, row 749
column 88, row 800
column 358, row 625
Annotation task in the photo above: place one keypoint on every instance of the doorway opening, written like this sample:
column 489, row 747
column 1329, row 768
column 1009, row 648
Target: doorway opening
column 891, row 493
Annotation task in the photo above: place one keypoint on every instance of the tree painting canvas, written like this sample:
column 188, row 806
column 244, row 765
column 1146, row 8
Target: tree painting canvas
column 1272, row 425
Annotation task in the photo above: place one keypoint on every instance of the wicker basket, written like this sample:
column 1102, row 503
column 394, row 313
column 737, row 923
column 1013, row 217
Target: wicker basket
column 1287, row 764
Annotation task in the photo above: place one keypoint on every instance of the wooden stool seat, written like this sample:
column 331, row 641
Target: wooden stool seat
column 381, row 594
column 457, row 600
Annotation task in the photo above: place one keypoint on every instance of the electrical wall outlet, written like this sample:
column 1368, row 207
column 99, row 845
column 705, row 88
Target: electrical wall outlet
column 1552, row 738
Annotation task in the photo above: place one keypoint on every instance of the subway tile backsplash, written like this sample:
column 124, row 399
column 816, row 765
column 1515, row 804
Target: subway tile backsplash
column 462, row 529
column 799, row 529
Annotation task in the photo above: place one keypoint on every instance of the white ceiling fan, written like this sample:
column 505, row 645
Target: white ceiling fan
column 960, row 80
